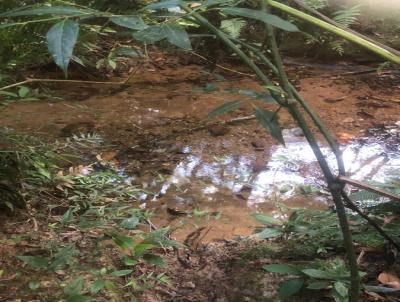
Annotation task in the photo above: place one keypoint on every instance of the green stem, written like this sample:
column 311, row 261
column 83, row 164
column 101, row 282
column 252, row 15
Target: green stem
column 317, row 121
column 335, row 188
column 336, row 30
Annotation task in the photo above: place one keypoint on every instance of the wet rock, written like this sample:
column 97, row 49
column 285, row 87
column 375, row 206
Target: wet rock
column 77, row 128
column 218, row 130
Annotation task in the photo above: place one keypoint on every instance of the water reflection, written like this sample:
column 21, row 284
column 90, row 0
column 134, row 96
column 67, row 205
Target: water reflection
column 288, row 171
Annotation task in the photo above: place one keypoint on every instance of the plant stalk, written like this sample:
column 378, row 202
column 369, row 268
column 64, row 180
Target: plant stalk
column 335, row 188
column 336, row 30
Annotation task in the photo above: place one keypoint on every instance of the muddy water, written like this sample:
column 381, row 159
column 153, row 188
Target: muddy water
column 221, row 192
column 219, row 181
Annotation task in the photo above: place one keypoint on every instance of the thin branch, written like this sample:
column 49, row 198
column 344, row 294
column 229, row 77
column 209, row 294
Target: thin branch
column 368, row 187
column 352, row 206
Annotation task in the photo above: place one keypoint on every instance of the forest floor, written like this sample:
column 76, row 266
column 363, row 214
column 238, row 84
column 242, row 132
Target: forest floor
column 201, row 177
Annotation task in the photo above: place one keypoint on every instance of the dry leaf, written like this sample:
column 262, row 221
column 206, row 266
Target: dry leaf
column 389, row 279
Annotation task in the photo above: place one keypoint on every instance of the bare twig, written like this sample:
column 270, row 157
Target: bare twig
column 368, row 187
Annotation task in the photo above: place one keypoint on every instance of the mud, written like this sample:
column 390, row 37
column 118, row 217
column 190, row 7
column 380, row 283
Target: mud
column 218, row 178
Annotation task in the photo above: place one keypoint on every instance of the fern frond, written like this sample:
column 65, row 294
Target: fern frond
column 233, row 27
column 348, row 16
column 316, row 4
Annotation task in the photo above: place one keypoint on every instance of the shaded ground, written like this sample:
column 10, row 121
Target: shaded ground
column 198, row 174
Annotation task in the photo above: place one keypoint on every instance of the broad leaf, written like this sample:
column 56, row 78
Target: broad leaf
column 151, row 34
column 269, row 233
column 163, row 5
column 281, row 269
column 127, row 52
column 341, row 289
column 174, row 33
column 261, row 16
column 49, row 10
column 129, row 22
column 78, row 298
column 290, row 288
column 269, row 122
column 319, row 274
column 97, row 286
column 216, row 2
column 23, row 91
column 36, row 262
column 74, row 288
column 129, row 261
column 124, row 241
column 229, row 106
column 317, row 285
column 265, row 219
column 130, row 223
column 61, row 40
column 153, row 259
column 177, row 36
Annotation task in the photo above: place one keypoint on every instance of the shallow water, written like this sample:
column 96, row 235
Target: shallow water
column 236, row 187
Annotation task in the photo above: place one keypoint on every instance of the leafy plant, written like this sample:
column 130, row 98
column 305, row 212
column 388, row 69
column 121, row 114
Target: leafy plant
column 332, row 275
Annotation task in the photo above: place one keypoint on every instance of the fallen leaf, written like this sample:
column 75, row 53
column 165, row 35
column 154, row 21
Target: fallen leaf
column 389, row 279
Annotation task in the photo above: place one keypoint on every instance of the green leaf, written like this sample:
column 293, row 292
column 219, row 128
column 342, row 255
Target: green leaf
column 67, row 217
column 33, row 285
column 381, row 289
column 97, row 286
column 153, row 259
column 130, row 223
column 129, row 22
column 151, row 34
column 341, row 289
column 269, row 122
column 74, row 288
column 233, row 27
column 265, row 219
column 229, row 106
column 49, row 10
column 36, row 262
column 317, row 285
column 177, row 36
column 126, row 52
column 281, row 269
column 290, row 288
column 63, row 257
column 79, row 298
column 261, row 16
column 124, row 241
column 23, row 91
column 319, row 274
column 129, row 261
column 210, row 87
column 269, row 233
column 61, row 40
column 163, row 5
column 141, row 248
column 216, row 2
column 122, row 272
column 7, row 93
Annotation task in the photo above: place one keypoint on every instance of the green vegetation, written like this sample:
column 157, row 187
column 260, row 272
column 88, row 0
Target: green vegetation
column 97, row 203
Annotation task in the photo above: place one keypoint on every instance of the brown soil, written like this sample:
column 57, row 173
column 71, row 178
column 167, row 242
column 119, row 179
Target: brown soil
column 151, row 126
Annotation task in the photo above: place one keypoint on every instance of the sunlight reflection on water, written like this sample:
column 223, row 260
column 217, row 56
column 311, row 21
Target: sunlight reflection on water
column 287, row 170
